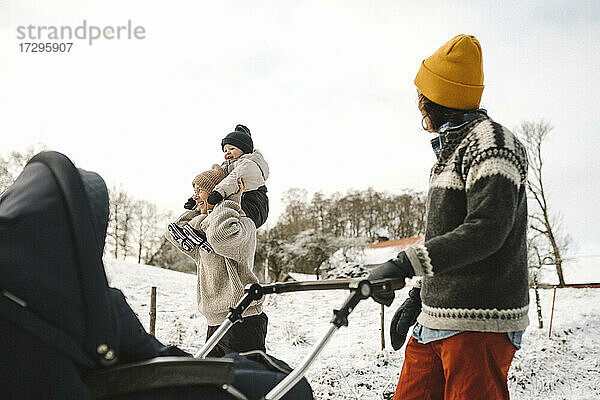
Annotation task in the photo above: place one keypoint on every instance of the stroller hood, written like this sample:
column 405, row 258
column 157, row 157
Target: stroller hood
column 53, row 221
column 97, row 196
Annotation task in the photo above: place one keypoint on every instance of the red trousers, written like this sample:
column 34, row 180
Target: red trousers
column 469, row 365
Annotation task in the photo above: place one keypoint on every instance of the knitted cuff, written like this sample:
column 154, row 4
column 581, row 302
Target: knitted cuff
column 419, row 258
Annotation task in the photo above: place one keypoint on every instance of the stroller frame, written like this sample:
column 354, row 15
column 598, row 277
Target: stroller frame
column 359, row 290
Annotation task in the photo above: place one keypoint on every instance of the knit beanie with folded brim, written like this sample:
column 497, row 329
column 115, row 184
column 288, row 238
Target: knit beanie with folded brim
column 240, row 138
column 207, row 180
column 453, row 75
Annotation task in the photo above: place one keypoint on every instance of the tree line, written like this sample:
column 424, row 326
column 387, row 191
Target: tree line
column 305, row 235
column 309, row 231
column 136, row 230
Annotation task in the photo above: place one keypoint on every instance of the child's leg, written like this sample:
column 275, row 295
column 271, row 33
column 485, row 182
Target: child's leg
column 190, row 235
column 194, row 233
column 248, row 335
column 198, row 238
column 255, row 204
column 196, row 221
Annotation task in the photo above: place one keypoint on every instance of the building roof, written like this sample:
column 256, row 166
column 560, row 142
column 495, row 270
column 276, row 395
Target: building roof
column 402, row 243
column 379, row 252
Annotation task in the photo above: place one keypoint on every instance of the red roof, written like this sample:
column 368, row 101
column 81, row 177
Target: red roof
column 402, row 243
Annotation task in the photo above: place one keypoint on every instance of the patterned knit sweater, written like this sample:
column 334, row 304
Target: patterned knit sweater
column 474, row 259
column 223, row 274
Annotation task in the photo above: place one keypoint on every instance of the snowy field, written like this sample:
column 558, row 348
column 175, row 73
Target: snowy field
column 352, row 365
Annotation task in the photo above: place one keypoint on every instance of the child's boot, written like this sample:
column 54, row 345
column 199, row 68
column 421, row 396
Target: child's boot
column 197, row 237
column 179, row 235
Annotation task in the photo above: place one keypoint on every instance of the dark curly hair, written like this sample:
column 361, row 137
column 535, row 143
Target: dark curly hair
column 438, row 115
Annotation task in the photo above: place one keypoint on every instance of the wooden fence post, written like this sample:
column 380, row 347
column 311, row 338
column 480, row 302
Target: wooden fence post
column 552, row 312
column 382, row 329
column 153, row 311
column 537, row 302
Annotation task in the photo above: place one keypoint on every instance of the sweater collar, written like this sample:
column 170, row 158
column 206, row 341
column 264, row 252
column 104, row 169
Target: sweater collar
column 448, row 128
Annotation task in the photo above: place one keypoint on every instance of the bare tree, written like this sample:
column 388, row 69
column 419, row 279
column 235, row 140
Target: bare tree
column 352, row 208
column 147, row 229
column 270, row 254
column 403, row 214
column 169, row 257
column 161, row 253
column 119, row 224
column 541, row 219
column 372, row 213
column 296, row 216
column 535, row 262
column 320, row 206
column 335, row 216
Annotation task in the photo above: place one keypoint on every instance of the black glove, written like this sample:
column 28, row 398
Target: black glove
column 190, row 204
column 214, row 197
column 399, row 267
column 405, row 317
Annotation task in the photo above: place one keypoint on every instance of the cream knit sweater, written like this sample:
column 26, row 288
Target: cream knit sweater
column 223, row 274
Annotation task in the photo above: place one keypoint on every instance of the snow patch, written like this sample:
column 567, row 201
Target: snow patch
column 353, row 365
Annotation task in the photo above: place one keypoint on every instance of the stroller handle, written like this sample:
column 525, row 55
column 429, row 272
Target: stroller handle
column 256, row 291
column 331, row 284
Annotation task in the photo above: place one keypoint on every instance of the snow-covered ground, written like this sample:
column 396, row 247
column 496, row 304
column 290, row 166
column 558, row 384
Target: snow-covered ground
column 352, row 365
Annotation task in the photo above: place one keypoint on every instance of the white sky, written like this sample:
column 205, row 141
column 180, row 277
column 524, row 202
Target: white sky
column 326, row 88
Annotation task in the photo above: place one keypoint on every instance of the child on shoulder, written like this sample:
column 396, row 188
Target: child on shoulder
column 243, row 162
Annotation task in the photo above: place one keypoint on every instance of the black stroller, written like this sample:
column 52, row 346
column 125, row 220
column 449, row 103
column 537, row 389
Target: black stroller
column 67, row 334
column 282, row 381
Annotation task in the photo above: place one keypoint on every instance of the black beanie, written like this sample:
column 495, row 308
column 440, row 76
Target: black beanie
column 240, row 138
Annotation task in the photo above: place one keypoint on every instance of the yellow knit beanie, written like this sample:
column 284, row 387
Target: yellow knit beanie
column 453, row 75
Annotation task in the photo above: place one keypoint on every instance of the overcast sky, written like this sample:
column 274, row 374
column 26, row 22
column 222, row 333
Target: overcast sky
column 326, row 88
